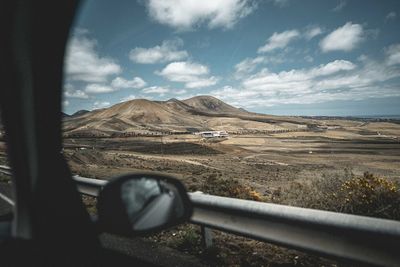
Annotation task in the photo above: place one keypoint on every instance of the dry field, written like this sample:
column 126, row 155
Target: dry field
column 260, row 167
column 263, row 167
column 263, row 162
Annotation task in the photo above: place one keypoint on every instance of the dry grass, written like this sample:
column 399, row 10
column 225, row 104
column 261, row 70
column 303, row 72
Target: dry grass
column 215, row 185
column 90, row 204
column 367, row 195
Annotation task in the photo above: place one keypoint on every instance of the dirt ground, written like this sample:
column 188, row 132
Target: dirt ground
column 263, row 162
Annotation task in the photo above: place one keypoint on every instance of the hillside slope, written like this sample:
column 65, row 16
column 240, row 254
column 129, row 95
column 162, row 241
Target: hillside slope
column 209, row 104
column 193, row 114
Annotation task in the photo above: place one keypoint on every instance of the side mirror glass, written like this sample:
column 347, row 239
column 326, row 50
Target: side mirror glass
column 140, row 203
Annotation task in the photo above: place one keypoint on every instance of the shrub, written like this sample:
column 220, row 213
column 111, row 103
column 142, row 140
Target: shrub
column 90, row 204
column 184, row 237
column 229, row 188
column 367, row 195
column 189, row 240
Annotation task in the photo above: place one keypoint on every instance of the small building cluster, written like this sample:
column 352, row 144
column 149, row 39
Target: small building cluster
column 213, row 134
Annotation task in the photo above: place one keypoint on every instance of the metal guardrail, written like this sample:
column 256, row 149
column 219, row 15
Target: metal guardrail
column 89, row 186
column 350, row 237
column 344, row 236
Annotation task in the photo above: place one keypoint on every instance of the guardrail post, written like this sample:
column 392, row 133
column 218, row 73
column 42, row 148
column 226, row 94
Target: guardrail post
column 206, row 236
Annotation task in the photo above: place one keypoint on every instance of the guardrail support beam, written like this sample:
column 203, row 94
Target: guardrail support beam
column 206, row 237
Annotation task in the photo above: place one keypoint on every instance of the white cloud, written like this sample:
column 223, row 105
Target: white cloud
column 76, row 94
column 393, row 54
column 248, row 65
column 202, row 82
column 95, row 88
column 180, row 92
column 344, row 38
column 294, row 80
column 188, row 14
column 135, row 83
column 65, row 103
column 194, row 75
column 311, row 32
column 71, row 92
column 279, row 40
column 336, row 80
column 183, row 71
column 167, row 51
column 128, row 98
column 283, row 39
column 83, row 63
column 155, row 90
column 340, row 6
column 101, row 104
column 391, row 16
column 332, row 67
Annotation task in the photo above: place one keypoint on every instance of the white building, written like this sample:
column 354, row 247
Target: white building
column 213, row 134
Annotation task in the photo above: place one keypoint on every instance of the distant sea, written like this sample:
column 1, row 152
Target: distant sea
column 392, row 117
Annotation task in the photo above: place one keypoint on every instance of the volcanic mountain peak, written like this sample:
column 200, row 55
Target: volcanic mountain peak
column 172, row 100
column 65, row 115
column 80, row 113
column 131, row 108
column 172, row 114
column 210, row 104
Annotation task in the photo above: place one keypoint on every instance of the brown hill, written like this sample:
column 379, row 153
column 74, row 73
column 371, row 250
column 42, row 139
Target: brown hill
column 148, row 112
column 194, row 114
column 137, row 115
column 209, row 104
column 80, row 113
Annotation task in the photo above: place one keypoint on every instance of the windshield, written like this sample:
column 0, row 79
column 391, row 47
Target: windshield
column 286, row 102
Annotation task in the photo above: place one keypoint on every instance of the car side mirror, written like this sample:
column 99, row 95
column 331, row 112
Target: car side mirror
column 139, row 203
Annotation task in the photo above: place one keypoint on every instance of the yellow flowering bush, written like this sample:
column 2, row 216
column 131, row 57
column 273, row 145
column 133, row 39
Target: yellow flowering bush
column 229, row 188
column 369, row 195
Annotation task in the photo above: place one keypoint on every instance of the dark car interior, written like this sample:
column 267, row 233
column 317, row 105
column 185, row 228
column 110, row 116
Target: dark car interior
column 49, row 227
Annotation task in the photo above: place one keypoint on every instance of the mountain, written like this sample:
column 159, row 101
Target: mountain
column 209, row 104
column 193, row 114
column 136, row 115
column 80, row 113
column 65, row 115
column 147, row 112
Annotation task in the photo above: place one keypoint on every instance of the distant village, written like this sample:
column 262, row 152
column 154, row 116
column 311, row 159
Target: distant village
column 213, row 134
column 210, row 134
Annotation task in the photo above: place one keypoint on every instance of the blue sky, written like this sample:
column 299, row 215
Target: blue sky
column 285, row 57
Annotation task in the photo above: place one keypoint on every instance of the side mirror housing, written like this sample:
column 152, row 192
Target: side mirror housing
column 139, row 203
